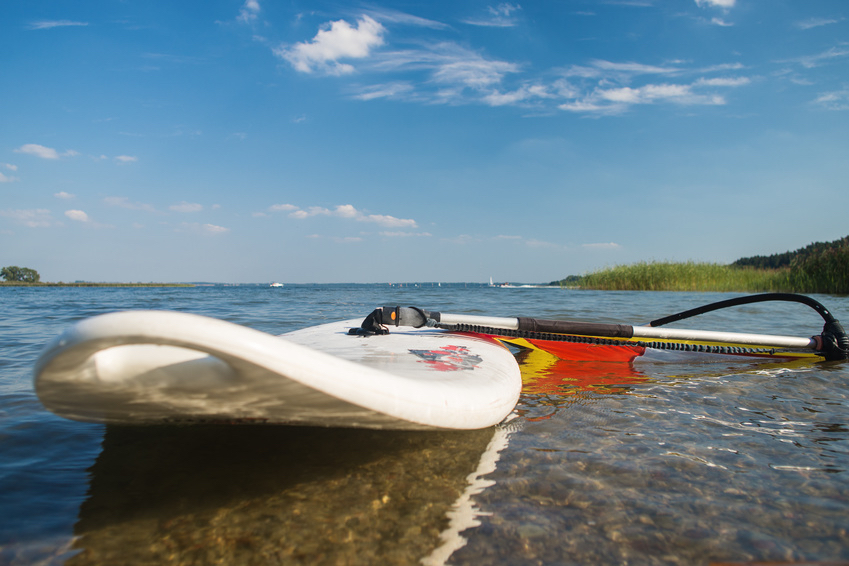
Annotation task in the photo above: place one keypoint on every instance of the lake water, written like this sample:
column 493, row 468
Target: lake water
column 600, row 463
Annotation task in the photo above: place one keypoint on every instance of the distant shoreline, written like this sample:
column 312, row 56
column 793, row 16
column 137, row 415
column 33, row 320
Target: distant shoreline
column 88, row 284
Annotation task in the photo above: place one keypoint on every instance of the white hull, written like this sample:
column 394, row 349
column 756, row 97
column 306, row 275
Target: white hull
column 148, row 367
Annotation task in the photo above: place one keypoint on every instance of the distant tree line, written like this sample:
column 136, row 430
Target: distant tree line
column 786, row 259
column 20, row 274
column 822, row 267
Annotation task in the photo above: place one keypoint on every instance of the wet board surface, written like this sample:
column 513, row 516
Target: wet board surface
column 153, row 367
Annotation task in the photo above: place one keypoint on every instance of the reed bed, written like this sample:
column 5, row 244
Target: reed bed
column 809, row 275
column 824, row 272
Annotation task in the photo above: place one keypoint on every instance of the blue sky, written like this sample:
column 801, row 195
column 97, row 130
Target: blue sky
column 296, row 141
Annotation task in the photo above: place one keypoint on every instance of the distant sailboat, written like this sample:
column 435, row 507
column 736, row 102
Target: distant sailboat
column 276, row 285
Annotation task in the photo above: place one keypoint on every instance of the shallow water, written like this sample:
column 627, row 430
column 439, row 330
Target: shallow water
column 600, row 464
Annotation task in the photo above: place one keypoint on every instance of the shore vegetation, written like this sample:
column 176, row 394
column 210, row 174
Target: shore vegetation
column 89, row 284
column 15, row 274
column 817, row 268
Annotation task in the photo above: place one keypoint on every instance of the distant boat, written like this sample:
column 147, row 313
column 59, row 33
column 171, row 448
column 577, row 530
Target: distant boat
column 276, row 285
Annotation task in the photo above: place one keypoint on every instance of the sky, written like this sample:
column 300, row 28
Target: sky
column 256, row 141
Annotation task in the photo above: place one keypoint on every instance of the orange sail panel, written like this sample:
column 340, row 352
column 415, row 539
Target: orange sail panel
column 581, row 352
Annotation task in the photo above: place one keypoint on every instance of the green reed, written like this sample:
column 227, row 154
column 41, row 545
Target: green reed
column 676, row 276
column 825, row 275
column 826, row 271
column 821, row 267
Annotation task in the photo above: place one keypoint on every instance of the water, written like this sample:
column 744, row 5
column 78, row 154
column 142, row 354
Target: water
column 601, row 464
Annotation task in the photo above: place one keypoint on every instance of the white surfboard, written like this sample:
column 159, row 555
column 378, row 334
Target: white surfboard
column 149, row 367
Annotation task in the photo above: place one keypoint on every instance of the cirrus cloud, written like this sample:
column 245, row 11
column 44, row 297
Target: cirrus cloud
column 500, row 16
column 44, row 152
column 31, row 218
column 716, row 3
column 50, row 24
column 345, row 211
column 431, row 70
column 835, row 100
column 203, row 229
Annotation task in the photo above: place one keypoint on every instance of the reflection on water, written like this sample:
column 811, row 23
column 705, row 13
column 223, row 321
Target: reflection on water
column 545, row 374
column 671, row 464
column 259, row 495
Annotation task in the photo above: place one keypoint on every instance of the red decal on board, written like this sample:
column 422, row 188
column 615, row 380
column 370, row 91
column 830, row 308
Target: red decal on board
column 449, row 358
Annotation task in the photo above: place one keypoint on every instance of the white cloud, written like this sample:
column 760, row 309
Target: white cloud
column 44, row 152
column 249, row 12
column 396, row 17
column 213, row 229
column 473, row 71
column 453, row 74
column 50, row 24
column 497, row 16
column 5, row 179
column 817, row 22
column 203, row 229
column 836, row 100
column 390, row 90
column 811, row 61
column 606, row 88
column 716, row 3
column 388, row 221
column 10, row 167
column 648, row 94
column 591, row 107
column 334, row 43
column 63, row 195
column 77, row 215
column 32, row 218
column 726, row 81
column 311, row 211
column 721, row 68
column 720, row 22
column 282, row 207
column 346, row 211
column 445, row 72
column 631, row 68
column 186, row 207
column 126, row 159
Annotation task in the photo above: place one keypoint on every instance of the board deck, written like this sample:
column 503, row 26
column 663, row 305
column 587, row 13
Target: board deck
column 150, row 367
